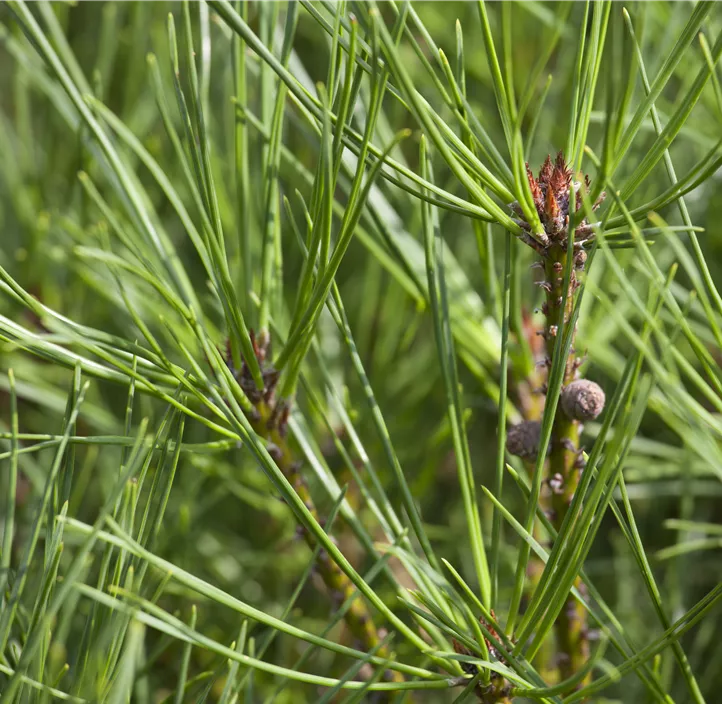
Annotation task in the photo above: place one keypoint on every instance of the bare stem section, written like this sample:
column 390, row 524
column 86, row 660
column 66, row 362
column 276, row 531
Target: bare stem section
column 581, row 400
column 269, row 419
column 565, row 463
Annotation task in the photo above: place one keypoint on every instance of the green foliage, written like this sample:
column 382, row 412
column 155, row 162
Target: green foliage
column 337, row 177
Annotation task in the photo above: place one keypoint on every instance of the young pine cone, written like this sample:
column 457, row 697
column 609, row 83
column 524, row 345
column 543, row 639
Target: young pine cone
column 583, row 400
column 522, row 439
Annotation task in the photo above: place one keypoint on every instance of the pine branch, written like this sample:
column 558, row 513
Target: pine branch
column 554, row 194
column 269, row 419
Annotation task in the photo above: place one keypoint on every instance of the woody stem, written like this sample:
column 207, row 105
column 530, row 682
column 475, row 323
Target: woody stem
column 358, row 617
column 563, row 472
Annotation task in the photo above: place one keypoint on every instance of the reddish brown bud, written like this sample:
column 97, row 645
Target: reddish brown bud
column 561, row 176
column 551, row 195
column 536, row 192
column 545, row 173
column 551, row 207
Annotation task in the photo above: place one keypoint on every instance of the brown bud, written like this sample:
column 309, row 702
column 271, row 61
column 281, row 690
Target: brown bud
column 522, row 439
column 583, row 400
column 580, row 259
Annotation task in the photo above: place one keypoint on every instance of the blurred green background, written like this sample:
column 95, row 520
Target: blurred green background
column 223, row 522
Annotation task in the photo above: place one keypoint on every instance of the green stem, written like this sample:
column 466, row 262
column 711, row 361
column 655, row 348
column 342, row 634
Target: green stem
column 563, row 471
column 358, row 617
